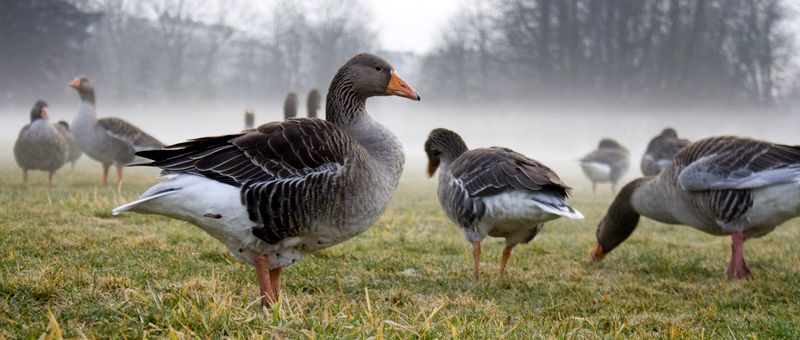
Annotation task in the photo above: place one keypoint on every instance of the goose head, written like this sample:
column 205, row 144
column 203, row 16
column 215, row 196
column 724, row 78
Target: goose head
column 40, row 111
column 443, row 145
column 84, row 88
column 619, row 222
column 669, row 132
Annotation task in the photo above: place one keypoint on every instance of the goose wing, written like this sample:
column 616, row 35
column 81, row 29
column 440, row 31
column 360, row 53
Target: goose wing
column 128, row 134
column 279, row 167
column 721, row 163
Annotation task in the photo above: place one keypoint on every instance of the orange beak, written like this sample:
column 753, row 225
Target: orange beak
column 597, row 253
column 45, row 113
column 75, row 83
column 431, row 169
column 398, row 87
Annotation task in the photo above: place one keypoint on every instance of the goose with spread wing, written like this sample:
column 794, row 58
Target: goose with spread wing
column 494, row 191
column 288, row 188
column 728, row 186
column 106, row 140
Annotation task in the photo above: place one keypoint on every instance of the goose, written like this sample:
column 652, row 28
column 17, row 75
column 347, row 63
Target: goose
column 494, row 191
column 660, row 151
column 74, row 149
column 291, row 187
column 312, row 103
column 249, row 118
column 606, row 164
column 39, row 145
column 723, row 186
column 290, row 106
column 106, row 140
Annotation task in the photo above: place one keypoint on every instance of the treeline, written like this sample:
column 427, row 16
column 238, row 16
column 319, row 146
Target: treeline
column 670, row 51
column 177, row 49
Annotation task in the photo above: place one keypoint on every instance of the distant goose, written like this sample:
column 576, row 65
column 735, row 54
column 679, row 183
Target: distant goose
column 722, row 186
column 249, row 118
column 495, row 191
column 74, row 149
column 290, row 106
column 660, row 151
column 292, row 187
column 39, row 145
column 606, row 164
column 312, row 103
column 106, row 140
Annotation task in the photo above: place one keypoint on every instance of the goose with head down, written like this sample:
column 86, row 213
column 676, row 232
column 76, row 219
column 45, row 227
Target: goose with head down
column 288, row 188
column 606, row 164
column 106, row 140
column 494, row 191
column 723, row 186
column 660, row 151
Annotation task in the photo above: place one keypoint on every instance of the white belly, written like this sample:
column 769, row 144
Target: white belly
column 597, row 172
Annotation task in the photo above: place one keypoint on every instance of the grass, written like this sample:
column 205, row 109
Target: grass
column 68, row 268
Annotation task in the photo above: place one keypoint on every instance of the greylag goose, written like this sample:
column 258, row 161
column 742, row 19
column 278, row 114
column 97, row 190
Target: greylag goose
column 606, row 164
column 494, row 191
column 288, row 188
column 39, row 145
column 249, row 118
column 106, row 140
column 74, row 149
column 660, row 151
column 290, row 106
column 721, row 185
column 312, row 103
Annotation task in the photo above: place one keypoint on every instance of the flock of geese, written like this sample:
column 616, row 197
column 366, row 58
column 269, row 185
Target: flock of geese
column 276, row 192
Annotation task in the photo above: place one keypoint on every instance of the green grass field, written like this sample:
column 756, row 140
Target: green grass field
column 67, row 267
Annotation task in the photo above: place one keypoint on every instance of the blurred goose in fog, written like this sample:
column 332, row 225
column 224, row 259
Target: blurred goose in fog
column 312, row 103
column 495, row 191
column 249, row 118
column 606, row 164
column 74, row 149
column 39, row 145
column 288, row 188
column 722, row 186
column 290, row 106
column 660, row 151
column 106, row 140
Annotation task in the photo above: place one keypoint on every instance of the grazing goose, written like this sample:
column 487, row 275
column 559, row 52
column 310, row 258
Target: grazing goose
column 606, row 164
column 660, row 151
column 312, row 103
column 106, row 140
column 249, row 118
column 39, row 145
column 288, row 188
column 721, row 185
column 74, row 149
column 290, row 106
column 494, row 191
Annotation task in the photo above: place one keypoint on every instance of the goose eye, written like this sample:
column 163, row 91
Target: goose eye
column 378, row 68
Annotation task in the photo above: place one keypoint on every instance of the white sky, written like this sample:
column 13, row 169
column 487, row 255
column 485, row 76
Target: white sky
column 411, row 25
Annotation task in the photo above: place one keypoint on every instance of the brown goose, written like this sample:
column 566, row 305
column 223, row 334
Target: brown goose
column 106, row 140
column 722, row 186
column 494, row 191
column 660, row 151
column 249, row 118
column 312, row 103
column 290, row 106
column 606, row 164
column 74, row 149
column 39, row 145
column 292, row 187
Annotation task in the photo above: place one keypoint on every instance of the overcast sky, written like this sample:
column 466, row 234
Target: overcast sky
column 411, row 25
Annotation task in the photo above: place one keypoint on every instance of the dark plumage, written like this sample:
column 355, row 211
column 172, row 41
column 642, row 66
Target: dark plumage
column 106, row 140
column 290, row 106
column 312, row 103
column 606, row 164
column 660, row 151
column 494, row 191
column 39, row 145
column 288, row 188
column 721, row 185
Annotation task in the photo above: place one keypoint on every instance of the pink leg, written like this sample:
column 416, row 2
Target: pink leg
column 25, row 176
column 476, row 257
column 119, row 175
column 105, row 173
column 262, row 269
column 737, row 269
column 504, row 260
column 50, row 179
